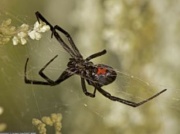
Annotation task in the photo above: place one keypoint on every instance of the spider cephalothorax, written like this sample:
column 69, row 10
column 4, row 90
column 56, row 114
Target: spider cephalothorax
column 96, row 75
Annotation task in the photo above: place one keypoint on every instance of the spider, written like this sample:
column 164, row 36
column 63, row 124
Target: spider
column 96, row 75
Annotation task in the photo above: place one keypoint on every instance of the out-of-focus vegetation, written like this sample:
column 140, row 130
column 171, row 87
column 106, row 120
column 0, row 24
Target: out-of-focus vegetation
column 142, row 39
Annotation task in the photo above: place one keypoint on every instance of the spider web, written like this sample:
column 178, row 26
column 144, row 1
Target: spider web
column 22, row 102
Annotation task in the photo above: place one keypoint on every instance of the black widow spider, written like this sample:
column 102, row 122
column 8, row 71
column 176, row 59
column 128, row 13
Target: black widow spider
column 96, row 75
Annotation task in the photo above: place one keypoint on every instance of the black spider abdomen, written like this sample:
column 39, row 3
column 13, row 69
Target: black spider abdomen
column 102, row 75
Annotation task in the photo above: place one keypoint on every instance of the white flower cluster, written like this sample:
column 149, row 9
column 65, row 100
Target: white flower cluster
column 39, row 28
column 20, row 37
column 6, row 31
column 34, row 34
column 53, row 120
column 21, row 34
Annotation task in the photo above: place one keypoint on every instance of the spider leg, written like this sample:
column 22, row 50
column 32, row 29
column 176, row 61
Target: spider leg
column 27, row 81
column 65, row 46
column 85, row 90
column 96, row 55
column 66, row 74
column 40, row 17
column 130, row 103
column 69, row 39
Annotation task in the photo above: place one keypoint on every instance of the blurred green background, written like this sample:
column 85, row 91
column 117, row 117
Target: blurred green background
column 142, row 39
